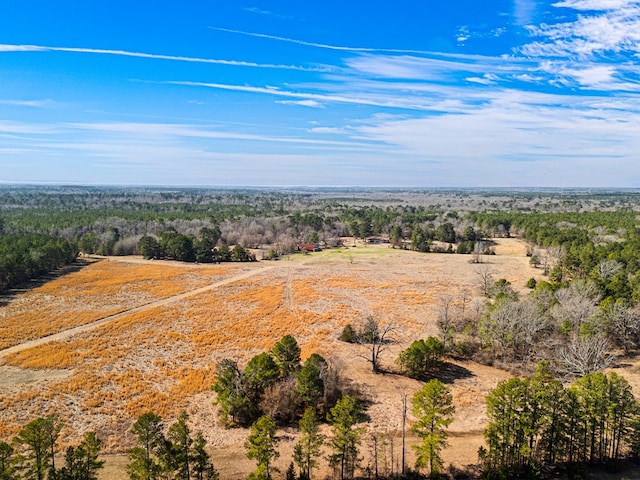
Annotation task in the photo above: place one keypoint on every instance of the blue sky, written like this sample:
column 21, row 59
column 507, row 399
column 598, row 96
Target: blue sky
column 461, row 93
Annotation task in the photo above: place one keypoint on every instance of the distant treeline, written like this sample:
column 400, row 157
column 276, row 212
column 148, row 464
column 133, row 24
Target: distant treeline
column 210, row 225
column 23, row 257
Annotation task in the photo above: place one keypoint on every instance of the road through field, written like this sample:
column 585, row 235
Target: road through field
column 65, row 334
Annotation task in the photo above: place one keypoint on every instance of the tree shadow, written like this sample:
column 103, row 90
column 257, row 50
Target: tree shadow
column 626, row 360
column 446, row 372
column 450, row 372
column 8, row 295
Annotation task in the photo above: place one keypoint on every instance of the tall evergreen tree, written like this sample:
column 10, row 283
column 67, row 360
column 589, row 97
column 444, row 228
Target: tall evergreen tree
column 286, row 355
column 181, row 447
column 203, row 469
column 309, row 382
column 233, row 394
column 261, row 446
column 81, row 462
column 308, row 447
column 344, row 417
column 505, row 433
column 145, row 458
column 433, row 406
column 39, row 437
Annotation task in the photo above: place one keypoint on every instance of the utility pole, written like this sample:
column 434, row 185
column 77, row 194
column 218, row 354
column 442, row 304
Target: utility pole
column 404, row 420
column 375, row 456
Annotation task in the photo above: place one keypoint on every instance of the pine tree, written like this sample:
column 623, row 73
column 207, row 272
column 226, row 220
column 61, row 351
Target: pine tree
column 203, row 469
column 433, row 406
column 343, row 417
column 309, row 382
column 291, row 473
column 145, row 458
column 308, row 447
column 286, row 355
column 233, row 394
column 40, row 436
column 181, row 447
column 8, row 462
column 261, row 446
column 81, row 462
column 505, row 433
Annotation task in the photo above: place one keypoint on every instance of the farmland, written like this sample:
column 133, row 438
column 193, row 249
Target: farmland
column 171, row 323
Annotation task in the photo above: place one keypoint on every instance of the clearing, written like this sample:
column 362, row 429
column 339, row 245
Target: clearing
column 104, row 344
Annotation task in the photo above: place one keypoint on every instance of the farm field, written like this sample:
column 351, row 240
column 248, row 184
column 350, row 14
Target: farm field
column 130, row 335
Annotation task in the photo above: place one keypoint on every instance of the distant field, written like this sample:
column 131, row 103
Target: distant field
column 162, row 356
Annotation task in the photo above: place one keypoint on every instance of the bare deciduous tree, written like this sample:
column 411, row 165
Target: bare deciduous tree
column 485, row 279
column 549, row 257
column 445, row 319
column 465, row 298
column 583, row 355
column 577, row 303
column 554, row 256
column 478, row 309
column 478, row 251
column 543, row 297
column 608, row 268
column 375, row 337
column 516, row 327
column 623, row 325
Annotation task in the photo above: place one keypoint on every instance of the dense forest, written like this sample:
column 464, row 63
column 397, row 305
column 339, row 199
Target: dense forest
column 27, row 256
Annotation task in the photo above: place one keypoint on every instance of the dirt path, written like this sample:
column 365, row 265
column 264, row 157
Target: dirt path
column 65, row 334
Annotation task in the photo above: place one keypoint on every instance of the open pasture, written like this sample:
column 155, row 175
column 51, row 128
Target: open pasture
column 162, row 356
column 96, row 291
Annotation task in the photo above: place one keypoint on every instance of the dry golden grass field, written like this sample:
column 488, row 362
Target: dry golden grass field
column 124, row 336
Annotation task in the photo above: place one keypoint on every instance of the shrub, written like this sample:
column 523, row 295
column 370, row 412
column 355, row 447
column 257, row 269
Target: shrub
column 348, row 334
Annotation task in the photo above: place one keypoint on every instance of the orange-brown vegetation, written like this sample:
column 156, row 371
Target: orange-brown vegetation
column 50, row 355
column 96, row 291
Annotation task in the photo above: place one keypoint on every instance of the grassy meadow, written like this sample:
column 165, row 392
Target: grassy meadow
column 175, row 322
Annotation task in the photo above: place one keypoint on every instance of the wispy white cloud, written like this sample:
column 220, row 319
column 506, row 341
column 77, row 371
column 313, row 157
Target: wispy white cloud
column 595, row 76
column 613, row 30
column 412, row 67
column 20, row 48
column 153, row 131
column 27, row 128
column 28, row 103
column 358, row 98
column 523, row 11
column 519, row 128
column 154, row 56
column 268, row 13
column 463, row 35
column 595, row 4
column 319, row 45
column 486, row 79
column 328, row 130
column 302, row 103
